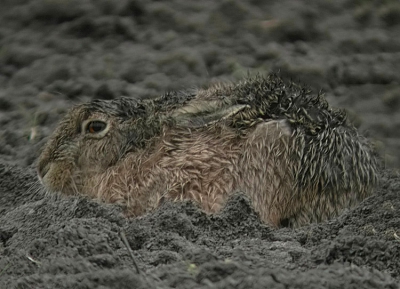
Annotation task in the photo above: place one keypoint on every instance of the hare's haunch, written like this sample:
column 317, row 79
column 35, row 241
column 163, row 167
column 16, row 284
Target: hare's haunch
column 296, row 158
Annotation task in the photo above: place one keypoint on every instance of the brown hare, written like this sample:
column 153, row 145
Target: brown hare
column 296, row 158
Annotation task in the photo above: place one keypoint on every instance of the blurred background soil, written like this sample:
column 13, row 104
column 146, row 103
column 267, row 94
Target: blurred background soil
column 55, row 53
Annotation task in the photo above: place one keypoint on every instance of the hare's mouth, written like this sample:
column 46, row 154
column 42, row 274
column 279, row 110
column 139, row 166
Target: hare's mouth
column 56, row 178
column 42, row 169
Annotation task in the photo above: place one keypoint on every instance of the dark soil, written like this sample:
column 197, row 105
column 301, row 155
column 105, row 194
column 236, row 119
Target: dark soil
column 54, row 53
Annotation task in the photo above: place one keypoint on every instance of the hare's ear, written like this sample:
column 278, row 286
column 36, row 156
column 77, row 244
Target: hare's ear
column 204, row 113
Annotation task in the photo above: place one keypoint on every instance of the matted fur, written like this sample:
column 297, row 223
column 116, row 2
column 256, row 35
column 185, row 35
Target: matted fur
column 295, row 157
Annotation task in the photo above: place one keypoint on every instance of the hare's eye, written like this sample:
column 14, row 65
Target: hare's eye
column 95, row 126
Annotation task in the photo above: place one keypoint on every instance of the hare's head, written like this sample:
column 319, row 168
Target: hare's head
column 94, row 136
column 91, row 138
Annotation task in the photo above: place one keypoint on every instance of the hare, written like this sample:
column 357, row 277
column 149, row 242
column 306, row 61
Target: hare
column 296, row 158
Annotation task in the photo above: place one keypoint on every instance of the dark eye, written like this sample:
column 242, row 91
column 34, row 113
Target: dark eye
column 95, row 126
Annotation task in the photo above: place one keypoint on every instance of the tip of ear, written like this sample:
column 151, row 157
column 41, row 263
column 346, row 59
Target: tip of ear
column 201, row 116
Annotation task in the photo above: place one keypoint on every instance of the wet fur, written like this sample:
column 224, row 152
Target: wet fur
column 294, row 156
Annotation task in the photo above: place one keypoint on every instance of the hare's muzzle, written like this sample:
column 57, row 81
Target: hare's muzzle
column 42, row 169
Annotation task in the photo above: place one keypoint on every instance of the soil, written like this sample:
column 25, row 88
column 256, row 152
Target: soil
column 56, row 53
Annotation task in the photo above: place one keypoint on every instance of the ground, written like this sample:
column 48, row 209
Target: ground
column 55, row 53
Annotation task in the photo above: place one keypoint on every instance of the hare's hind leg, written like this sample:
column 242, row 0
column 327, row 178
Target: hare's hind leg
column 267, row 171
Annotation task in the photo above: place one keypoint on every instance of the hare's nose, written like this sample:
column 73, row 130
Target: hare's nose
column 42, row 169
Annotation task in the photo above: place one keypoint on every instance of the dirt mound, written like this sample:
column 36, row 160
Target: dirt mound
column 58, row 242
